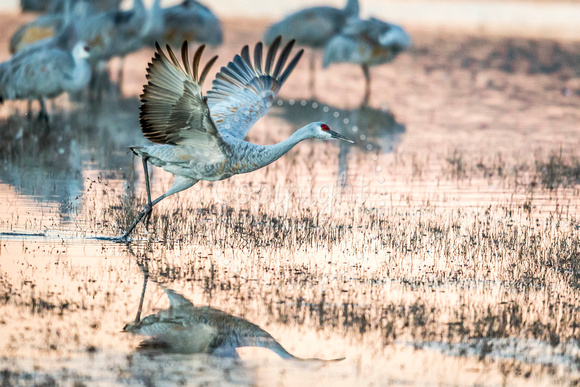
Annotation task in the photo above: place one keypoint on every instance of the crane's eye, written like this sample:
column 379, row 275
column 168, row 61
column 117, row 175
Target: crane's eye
column 324, row 127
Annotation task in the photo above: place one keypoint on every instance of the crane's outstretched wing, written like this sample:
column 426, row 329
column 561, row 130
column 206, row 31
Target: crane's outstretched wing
column 243, row 92
column 173, row 110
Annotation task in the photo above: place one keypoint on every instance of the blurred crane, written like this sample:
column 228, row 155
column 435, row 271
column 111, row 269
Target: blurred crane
column 47, row 26
column 202, row 138
column 46, row 70
column 313, row 27
column 118, row 33
column 58, row 6
column 188, row 21
column 366, row 43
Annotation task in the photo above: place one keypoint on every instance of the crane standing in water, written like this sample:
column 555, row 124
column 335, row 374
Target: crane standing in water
column 202, row 138
column 367, row 43
column 118, row 33
column 46, row 70
column 190, row 20
column 313, row 27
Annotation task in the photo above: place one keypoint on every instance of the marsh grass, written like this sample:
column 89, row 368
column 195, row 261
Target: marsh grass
column 416, row 273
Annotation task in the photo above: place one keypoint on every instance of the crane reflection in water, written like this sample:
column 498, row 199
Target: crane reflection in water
column 186, row 328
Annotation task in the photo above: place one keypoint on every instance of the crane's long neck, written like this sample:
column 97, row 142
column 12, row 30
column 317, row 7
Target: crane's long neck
column 139, row 6
column 278, row 150
column 153, row 22
column 268, row 154
column 352, row 7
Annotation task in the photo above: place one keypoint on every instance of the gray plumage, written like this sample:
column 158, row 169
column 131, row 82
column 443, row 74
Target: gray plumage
column 313, row 27
column 202, row 138
column 44, row 27
column 115, row 33
column 366, row 43
column 47, row 69
column 47, row 26
column 185, row 328
column 188, row 21
column 58, row 6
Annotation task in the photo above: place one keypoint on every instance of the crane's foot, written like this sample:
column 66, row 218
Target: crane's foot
column 120, row 239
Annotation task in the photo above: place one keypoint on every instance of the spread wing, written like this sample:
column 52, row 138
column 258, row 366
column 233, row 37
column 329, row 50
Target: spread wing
column 173, row 110
column 243, row 92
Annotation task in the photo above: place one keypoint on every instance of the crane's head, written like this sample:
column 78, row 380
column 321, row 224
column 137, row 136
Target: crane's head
column 322, row 131
column 81, row 50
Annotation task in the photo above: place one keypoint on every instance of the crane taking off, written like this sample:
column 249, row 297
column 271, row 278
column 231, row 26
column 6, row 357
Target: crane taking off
column 202, row 137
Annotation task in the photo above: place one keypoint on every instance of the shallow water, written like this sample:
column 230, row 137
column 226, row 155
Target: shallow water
column 441, row 248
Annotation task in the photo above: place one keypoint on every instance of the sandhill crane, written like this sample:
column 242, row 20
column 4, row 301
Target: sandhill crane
column 118, row 33
column 58, row 6
column 313, row 27
column 202, row 138
column 186, row 328
column 46, row 70
column 47, row 26
column 43, row 27
column 366, row 43
column 188, row 21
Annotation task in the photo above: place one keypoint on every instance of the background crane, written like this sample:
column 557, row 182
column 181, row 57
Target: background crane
column 46, row 70
column 313, row 27
column 366, row 43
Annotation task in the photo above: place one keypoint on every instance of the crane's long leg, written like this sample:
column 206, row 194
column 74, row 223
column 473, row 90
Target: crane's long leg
column 367, row 74
column 312, row 82
column 148, row 186
column 179, row 184
column 144, row 212
column 29, row 109
column 120, row 75
column 145, row 278
column 43, row 115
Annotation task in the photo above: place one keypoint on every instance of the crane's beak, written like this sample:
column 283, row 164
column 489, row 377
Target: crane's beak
column 339, row 136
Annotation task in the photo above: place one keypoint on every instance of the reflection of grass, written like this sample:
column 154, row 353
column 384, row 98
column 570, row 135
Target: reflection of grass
column 558, row 171
column 456, row 165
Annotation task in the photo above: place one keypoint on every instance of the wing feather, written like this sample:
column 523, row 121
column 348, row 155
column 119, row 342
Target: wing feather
column 258, row 57
column 173, row 110
column 242, row 92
